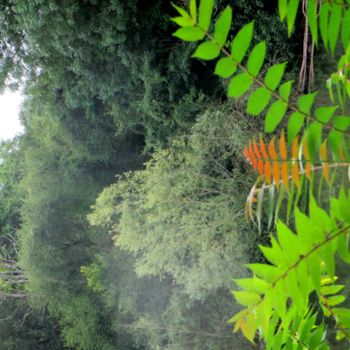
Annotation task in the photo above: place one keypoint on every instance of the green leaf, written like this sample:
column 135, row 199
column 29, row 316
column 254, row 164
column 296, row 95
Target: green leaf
column 291, row 14
column 312, row 18
column 285, row 90
column 335, row 138
column 343, row 248
column 222, row 26
column 258, row 100
column 207, row 51
column 282, row 9
column 287, row 239
column 346, row 29
column 341, row 122
column 190, row 34
column 274, row 253
column 225, row 67
column 256, row 58
column 336, row 300
column 344, row 202
column 316, row 341
column 239, row 85
column 274, row 115
column 205, row 12
column 182, row 21
column 241, row 42
column 254, row 284
column 324, row 114
column 334, row 26
column 329, row 290
column 314, row 137
column 267, row 272
column 314, row 264
column 305, row 102
column 247, row 298
column 324, row 12
column 181, row 11
column 295, row 123
column 193, row 10
column 274, row 76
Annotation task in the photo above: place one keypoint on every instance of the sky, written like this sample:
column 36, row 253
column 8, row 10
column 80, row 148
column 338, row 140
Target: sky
column 9, row 115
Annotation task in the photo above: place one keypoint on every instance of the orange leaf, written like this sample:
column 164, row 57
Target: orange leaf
column 285, row 175
column 308, row 170
column 324, row 158
column 295, row 148
column 283, row 147
column 272, row 150
column 252, row 157
column 261, row 167
column 256, row 150
column 267, row 172
column 295, row 174
column 276, row 174
column 263, row 149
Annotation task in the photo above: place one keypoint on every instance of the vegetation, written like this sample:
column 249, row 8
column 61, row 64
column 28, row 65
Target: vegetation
column 286, row 296
column 127, row 208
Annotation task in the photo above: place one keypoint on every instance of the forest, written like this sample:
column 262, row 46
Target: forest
column 182, row 182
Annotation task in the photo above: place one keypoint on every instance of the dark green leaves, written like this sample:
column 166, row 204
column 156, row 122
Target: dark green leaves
column 274, row 76
column 241, row 42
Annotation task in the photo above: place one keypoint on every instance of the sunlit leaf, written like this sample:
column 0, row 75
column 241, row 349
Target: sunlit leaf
column 222, row 26
column 256, row 58
column 205, row 12
column 274, row 76
column 275, row 115
column 292, row 10
column 334, row 26
column 225, row 67
column 324, row 17
column 241, row 42
column 295, row 123
column 189, row 34
column 207, row 51
column 258, row 100
column 312, row 18
column 239, row 85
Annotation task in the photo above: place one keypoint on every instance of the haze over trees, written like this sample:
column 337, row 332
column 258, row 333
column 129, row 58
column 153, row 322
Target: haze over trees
column 122, row 204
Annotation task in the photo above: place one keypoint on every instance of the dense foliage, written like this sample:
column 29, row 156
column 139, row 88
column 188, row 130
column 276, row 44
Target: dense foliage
column 122, row 204
column 297, row 286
